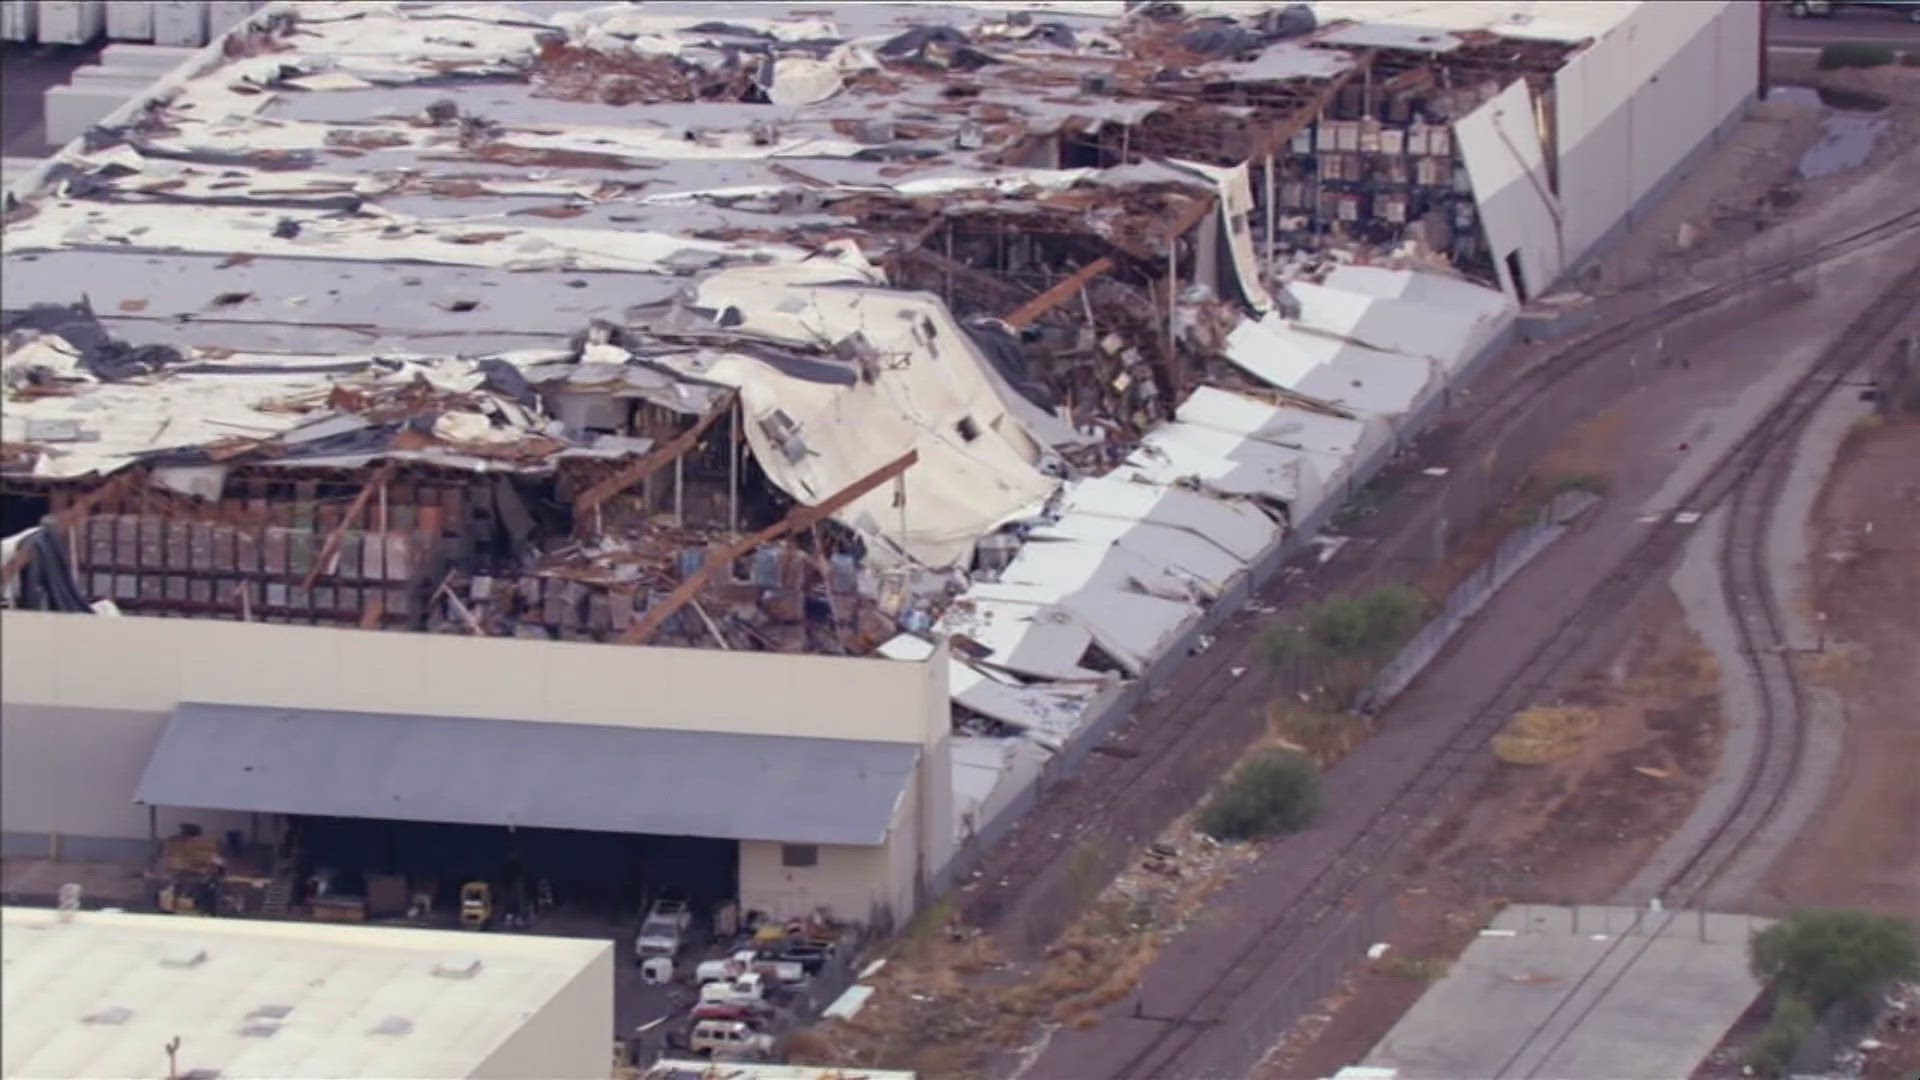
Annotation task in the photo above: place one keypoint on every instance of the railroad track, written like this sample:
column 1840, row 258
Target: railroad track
column 1531, row 383
column 1166, row 742
column 1754, row 462
column 1780, row 716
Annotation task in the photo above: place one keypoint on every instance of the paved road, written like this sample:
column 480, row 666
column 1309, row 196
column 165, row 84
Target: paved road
column 1857, row 24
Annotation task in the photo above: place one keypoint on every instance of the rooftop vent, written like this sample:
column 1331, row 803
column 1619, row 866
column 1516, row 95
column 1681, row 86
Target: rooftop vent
column 259, row 1029
column 270, row 1012
column 392, row 1025
column 457, row 967
column 112, row 1014
column 183, row 956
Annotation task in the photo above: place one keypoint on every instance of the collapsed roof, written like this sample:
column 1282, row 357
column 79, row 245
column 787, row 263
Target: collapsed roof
column 623, row 284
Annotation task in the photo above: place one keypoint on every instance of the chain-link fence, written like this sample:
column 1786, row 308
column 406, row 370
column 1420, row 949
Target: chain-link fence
column 1467, row 598
column 1324, row 955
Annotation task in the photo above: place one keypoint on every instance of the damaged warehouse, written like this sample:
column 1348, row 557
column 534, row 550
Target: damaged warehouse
column 914, row 385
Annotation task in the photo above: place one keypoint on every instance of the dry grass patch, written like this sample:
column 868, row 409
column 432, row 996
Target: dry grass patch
column 1545, row 734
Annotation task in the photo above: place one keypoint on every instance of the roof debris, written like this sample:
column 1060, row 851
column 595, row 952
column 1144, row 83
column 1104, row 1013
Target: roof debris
column 507, row 320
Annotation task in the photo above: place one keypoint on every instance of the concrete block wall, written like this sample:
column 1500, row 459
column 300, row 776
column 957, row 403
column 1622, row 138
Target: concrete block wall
column 188, row 23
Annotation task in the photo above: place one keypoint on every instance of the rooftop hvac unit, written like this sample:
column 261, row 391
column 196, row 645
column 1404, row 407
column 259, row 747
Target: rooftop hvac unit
column 72, row 22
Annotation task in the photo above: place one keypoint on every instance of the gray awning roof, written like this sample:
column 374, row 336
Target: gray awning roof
column 528, row 773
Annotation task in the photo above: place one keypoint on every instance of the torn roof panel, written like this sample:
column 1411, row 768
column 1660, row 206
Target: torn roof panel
column 927, row 390
column 1173, row 549
column 1316, row 432
column 1050, row 709
column 1027, row 638
column 1188, row 453
column 1281, row 62
column 1385, row 35
column 1055, row 563
column 1330, row 368
column 401, row 299
column 1131, row 627
column 1439, row 290
column 1234, row 527
column 1541, row 20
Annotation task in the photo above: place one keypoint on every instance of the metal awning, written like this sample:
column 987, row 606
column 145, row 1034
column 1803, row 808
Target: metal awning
column 528, row 773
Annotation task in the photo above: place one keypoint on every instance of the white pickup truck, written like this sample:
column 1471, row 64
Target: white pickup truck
column 658, row 937
column 663, row 932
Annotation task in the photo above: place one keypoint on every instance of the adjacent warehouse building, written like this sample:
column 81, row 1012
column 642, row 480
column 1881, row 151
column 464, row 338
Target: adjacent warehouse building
column 100, row 994
column 645, row 447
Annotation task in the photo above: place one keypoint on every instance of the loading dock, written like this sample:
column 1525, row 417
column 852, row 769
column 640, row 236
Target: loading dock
column 381, row 815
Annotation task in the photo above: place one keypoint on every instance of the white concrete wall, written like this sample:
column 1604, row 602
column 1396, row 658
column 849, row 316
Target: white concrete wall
column 569, row 1038
column 1632, row 106
column 72, row 772
column 1500, row 144
column 149, row 665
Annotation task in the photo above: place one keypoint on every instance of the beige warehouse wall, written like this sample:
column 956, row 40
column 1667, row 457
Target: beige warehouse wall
column 73, row 772
column 148, row 665
column 847, row 880
column 569, row 1038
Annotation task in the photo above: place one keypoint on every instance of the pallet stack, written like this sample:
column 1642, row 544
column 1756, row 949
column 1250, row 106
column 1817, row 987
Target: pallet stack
column 149, row 563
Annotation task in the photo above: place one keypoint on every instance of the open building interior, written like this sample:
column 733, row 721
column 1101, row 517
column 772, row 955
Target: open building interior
column 1027, row 335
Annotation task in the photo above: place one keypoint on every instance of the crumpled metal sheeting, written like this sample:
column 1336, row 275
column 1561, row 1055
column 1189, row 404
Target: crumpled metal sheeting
column 1048, row 712
column 1176, row 453
column 1132, row 628
column 926, row 386
column 1330, row 368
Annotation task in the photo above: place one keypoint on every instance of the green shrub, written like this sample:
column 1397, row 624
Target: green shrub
column 1771, row 1055
column 1276, row 792
column 1855, row 54
column 1824, row 958
column 1368, row 626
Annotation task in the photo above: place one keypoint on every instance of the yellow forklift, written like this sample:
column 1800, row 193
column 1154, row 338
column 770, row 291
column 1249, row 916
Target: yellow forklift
column 476, row 905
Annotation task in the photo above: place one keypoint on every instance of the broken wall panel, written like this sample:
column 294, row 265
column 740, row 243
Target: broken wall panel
column 1500, row 148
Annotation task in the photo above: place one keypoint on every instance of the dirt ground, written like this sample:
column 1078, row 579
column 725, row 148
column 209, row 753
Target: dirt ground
column 954, row 1003
column 1578, row 831
column 1751, row 182
column 1863, row 848
column 950, row 1005
column 1573, row 830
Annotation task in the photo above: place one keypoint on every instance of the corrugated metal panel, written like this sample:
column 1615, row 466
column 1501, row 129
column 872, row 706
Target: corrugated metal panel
column 130, row 22
column 539, row 775
column 19, row 19
column 71, row 22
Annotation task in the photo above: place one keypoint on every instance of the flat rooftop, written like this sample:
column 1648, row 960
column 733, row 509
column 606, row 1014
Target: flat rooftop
column 1579, row 993
column 102, row 995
